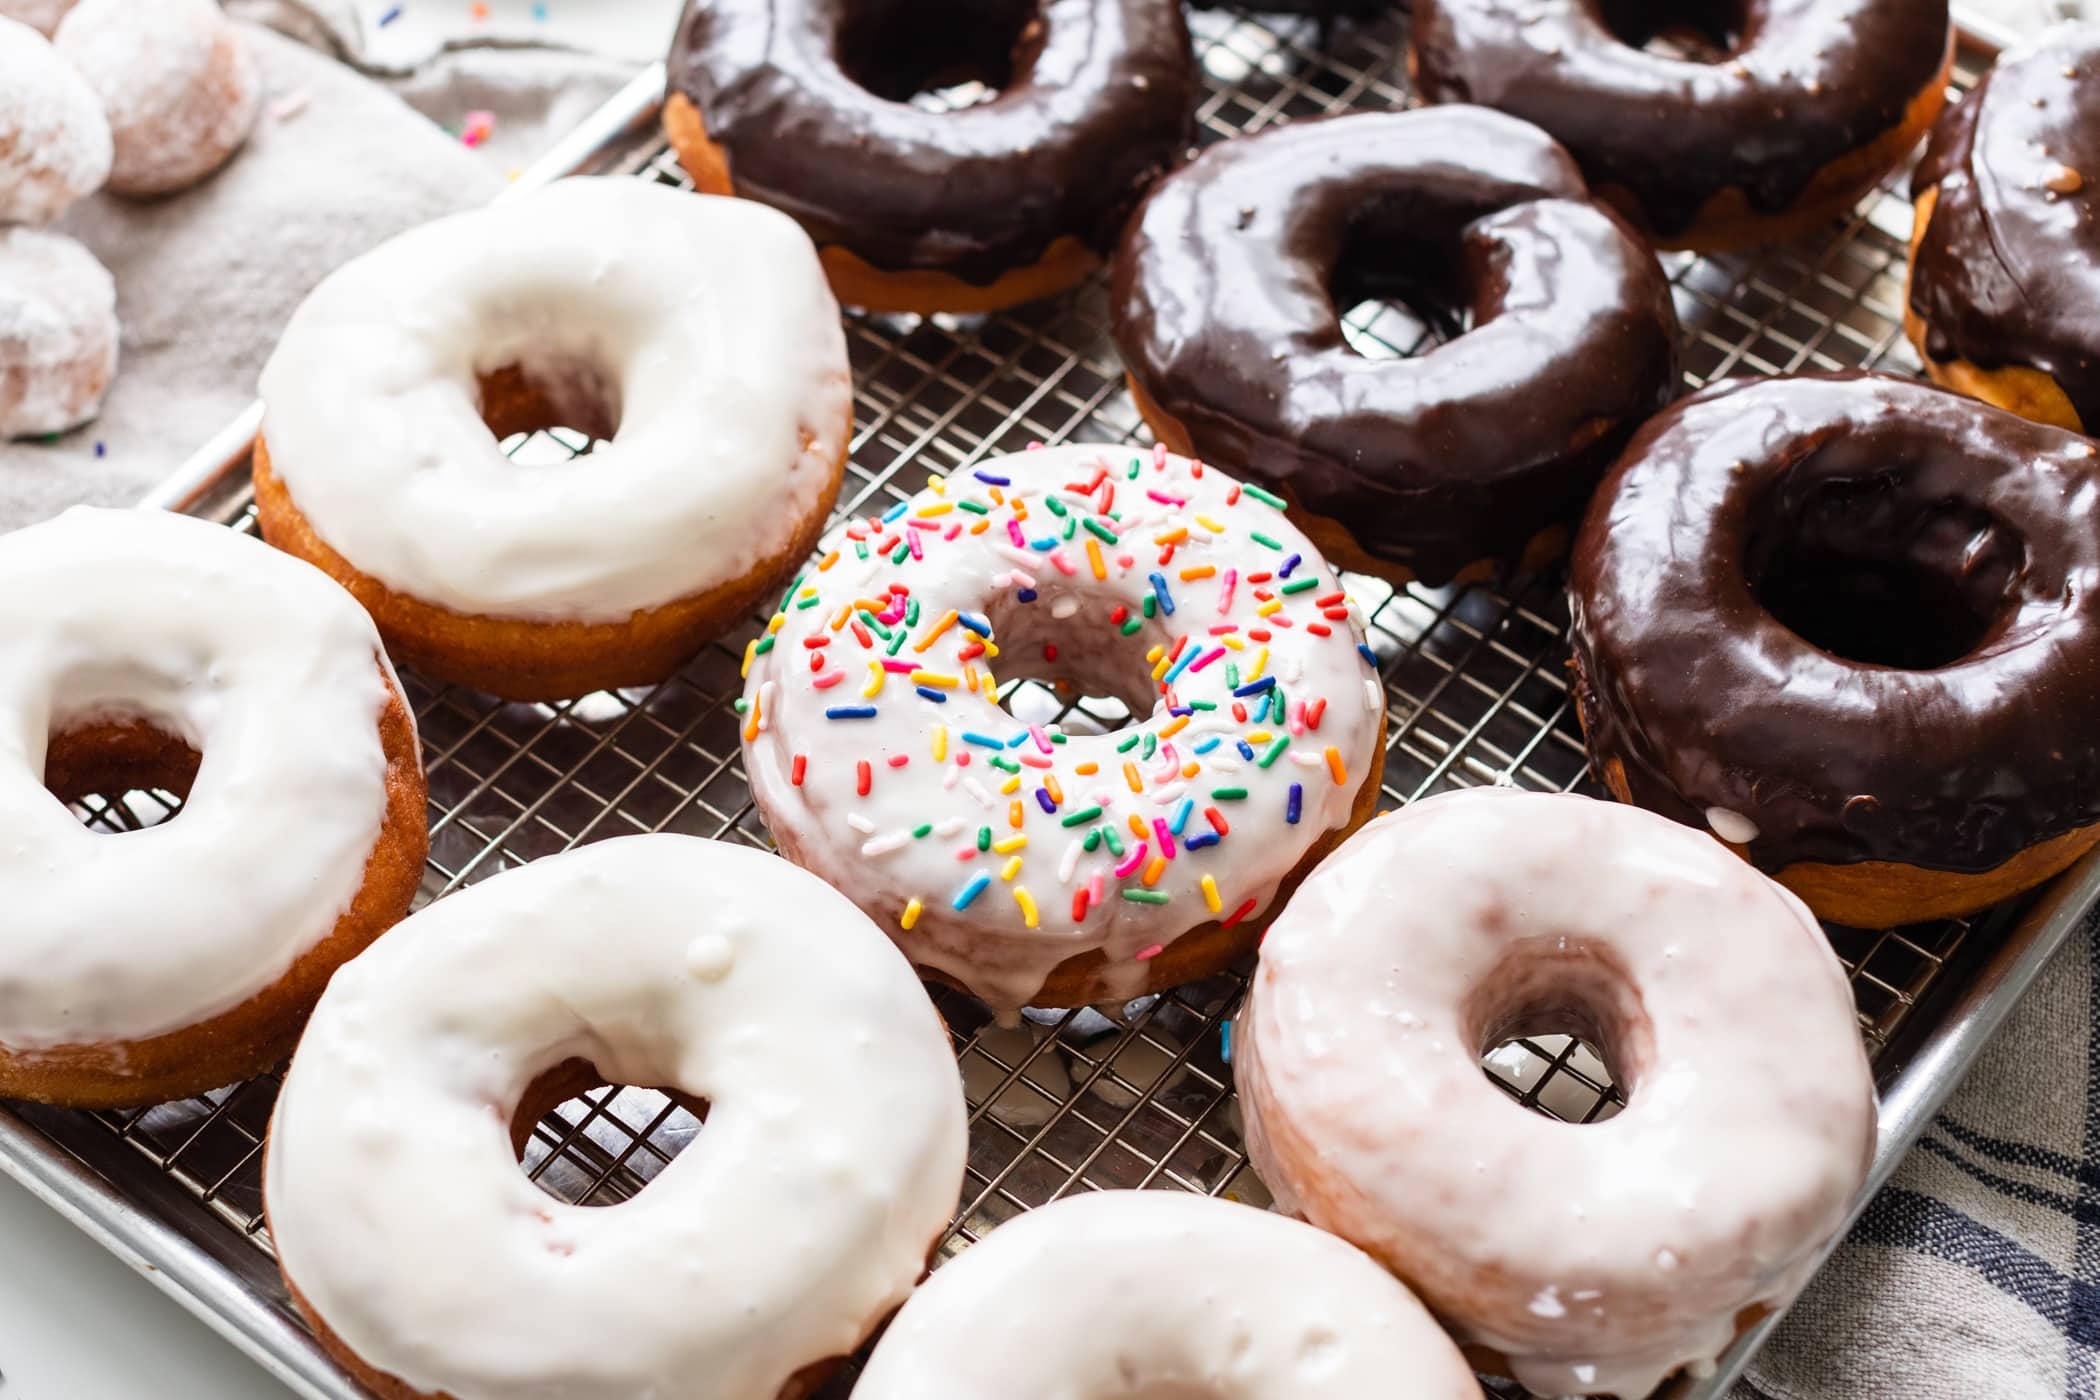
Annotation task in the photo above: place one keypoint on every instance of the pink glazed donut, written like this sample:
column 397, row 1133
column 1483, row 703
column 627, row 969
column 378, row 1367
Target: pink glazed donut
column 1588, row 1258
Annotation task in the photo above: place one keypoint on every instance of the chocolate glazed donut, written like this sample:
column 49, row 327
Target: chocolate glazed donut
column 1806, row 104
column 1851, row 624
column 804, row 105
column 2004, row 296
column 1452, row 463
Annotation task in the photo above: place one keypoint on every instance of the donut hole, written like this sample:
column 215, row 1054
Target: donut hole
column 587, row 1140
column 1863, row 569
column 1558, row 1027
column 119, row 774
column 1053, row 671
column 1398, row 290
column 937, row 54
column 550, row 410
column 1696, row 31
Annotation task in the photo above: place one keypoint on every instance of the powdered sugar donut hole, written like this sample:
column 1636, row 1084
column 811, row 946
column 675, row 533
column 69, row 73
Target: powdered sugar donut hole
column 177, row 79
column 40, row 15
column 58, row 333
column 54, row 140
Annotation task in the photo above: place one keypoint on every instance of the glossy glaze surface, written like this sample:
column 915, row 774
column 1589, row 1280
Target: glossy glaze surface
column 1796, row 84
column 1227, row 299
column 809, row 100
column 1946, row 552
column 2008, row 271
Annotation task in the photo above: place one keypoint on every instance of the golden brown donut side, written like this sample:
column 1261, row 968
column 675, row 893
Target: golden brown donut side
column 854, row 281
column 521, row 660
column 257, row 1034
column 2015, row 388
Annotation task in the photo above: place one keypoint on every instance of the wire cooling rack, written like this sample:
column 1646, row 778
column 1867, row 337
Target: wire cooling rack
column 1140, row 1096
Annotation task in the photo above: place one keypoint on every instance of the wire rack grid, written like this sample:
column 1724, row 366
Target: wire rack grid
column 1139, row 1096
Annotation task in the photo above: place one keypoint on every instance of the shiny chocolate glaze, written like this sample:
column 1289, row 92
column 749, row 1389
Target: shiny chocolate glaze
column 2008, row 272
column 1949, row 550
column 1227, row 295
column 1798, row 84
column 808, row 99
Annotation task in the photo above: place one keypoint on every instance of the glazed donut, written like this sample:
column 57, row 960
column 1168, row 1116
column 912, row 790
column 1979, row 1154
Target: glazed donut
column 696, row 335
column 177, row 80
column 802, row 1215
column 1029, row 866
column 40, row 15
column 803, row 105
column 54, row 140
column 142, row 650
column 2003, row 294
column 1851, row 625
column 1807, row 104
column 1473, row 457
column 1131, row 1293
column 1477, row 916
column 58, row 333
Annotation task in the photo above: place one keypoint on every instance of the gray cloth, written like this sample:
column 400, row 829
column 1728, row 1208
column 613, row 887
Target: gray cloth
column 206, row 278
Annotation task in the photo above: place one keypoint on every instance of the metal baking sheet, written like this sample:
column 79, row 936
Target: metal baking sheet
column 1072, row 1100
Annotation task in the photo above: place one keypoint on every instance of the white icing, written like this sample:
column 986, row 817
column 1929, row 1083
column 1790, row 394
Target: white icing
column 831, row 1156
column 40, row 15
column 58, row 333
column 826, row 825
column 259, row 663
column 1123, row 1294
column 1750, row 1115
column 176, row 80
column 708, row 319
column 54, row 139
column 1732, row 827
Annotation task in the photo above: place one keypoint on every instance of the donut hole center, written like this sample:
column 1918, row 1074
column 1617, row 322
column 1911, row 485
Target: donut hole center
column 550, row 409
column 1695, row 31
column 939, row 55
column 119, row 773
column 587, row 1140
column 1864, row 570
column 1559, row 1028
column 1398, row 289
column 1083, row 675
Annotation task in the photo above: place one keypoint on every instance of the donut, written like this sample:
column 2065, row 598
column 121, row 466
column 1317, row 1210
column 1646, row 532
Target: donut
column 2003, row 290
column 1472, row 458
column 1779, row 117
column 1850, row 624
column 58, row 333
column 1581, row 1260
column 1131, row 1293
column 40, row 15
column 54, row 140
column 805, row 105
column 140, row 650
column 694, row 335
column 799, row 1218
column 178, row 81
column 1025, row 864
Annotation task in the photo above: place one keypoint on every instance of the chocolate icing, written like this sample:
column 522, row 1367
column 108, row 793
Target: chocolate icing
column 1799, row 84
column 2008, row 272
column 1897, row 522
column 1226, row 295
column 808, row 99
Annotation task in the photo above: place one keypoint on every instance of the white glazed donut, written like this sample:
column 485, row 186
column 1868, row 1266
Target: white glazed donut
column 177, row 958
column 1598, row 1258
column 178, row 83
column 697, row 333
column 994, row 852
column 830, row 1161
column 58, row 333
column 54, row 139
column 1123, row 1293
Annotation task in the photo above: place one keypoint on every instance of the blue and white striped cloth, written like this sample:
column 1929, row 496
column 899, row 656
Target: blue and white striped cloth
column 1975, row 1275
